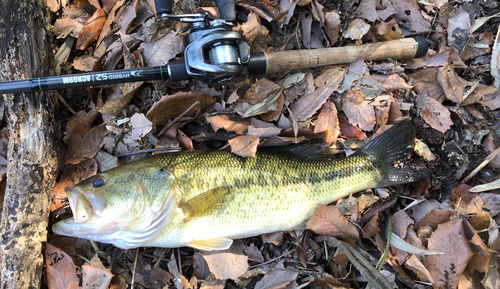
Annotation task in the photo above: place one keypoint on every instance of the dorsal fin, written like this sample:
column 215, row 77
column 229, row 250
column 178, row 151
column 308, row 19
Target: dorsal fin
column 308, row 150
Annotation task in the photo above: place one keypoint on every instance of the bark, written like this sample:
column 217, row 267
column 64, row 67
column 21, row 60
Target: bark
column 25, row 53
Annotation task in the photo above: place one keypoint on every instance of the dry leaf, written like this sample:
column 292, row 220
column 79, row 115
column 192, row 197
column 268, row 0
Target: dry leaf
column 434, row 218
column 273, row 238
column 332, row 23
column 479, row 45
column 306, row 22
column 91, row 30
column 214, row 284
column 254, row 254
column 447, row 268
column 400, row 223
column 349, row 131
column 450, row 83
column 84, row 62
column 95, row 275
column 352, row 205
column 61, row 271
column 90, row 145
column 260, row 90
column 105, row 161
column 391, row 82
column 70, row 125
column 308, row 104
column 276, row 279
column 260, row 98
column 371, row 228
column 425, row 83
column 440, row 59
column 160, row 52
column 58, row 194
column 81, row 171
column 331, row 76
column 184, row 140
column 387, row 31
column 227, row 264
column 140, row 126
column 114, row 105
column 434, row 113
column 154, row 278
column 356, row 70
column 359, row 111
column 54, row 5
column 407, row 11
column 367, row 10
column 416, row 266
column 328, row 122
column 475, row 240
column 200, row 266
column 238, row 126
column 492, row 100
column 244, row 146
column 264, row 132
column 289, row 7
column 255, row 33
column 491, row 203
column 329, row 221
column 171, row 106
column 356, row 30
column 66, row 26
column 109, row 20
column 78, row 133
column 459, row 30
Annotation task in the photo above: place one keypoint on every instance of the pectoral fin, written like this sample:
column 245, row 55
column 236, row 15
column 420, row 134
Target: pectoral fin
column 212, row 244
column 206, row 203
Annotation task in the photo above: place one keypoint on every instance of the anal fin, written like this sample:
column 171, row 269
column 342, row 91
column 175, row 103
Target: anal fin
column 206, row 203
column 211, row 244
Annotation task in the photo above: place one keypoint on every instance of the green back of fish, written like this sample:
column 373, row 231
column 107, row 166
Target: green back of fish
column 241, row 197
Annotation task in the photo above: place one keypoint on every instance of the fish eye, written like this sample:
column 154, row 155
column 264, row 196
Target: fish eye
column 98, row 182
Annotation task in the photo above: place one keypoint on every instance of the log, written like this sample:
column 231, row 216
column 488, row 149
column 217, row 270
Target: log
column 25, row 52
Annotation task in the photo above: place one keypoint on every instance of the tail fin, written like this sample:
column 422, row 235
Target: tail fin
column 390, row 151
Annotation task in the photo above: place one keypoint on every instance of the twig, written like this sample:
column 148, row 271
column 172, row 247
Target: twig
column 177, row 118
column 161, row 258
column 486, row 161
column 179, row 254
column 63, row 101
column 133, row 272
column 272, row 260
column 473, row 87
column 147, row 151
column 381, row 262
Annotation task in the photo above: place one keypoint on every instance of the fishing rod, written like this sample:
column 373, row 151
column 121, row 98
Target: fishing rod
column 214, row 53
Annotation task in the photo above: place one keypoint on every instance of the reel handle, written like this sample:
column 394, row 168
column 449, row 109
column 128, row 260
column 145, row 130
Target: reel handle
column 163, row 8
column 227, row 10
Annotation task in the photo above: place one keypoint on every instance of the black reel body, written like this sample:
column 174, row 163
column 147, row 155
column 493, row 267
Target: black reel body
column 212, row 51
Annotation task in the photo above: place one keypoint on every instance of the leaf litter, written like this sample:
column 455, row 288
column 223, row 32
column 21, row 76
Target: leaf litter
column 342, row 105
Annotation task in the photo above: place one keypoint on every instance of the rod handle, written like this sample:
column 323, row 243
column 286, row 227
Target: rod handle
column 279, row 61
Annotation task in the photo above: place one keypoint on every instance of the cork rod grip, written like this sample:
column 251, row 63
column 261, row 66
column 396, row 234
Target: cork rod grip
column 277, row 61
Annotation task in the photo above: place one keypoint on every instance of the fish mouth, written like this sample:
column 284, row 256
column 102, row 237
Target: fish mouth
column 85, row 222
column 80, row 206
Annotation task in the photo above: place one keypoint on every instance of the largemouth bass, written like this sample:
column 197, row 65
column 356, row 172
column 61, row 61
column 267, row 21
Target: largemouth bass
column 205, row 199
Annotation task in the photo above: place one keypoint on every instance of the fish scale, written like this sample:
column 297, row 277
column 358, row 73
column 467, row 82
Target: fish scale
column 275, row 197
column 205, row 199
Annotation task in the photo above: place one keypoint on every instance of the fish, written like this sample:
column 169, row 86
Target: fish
column 205, row 199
